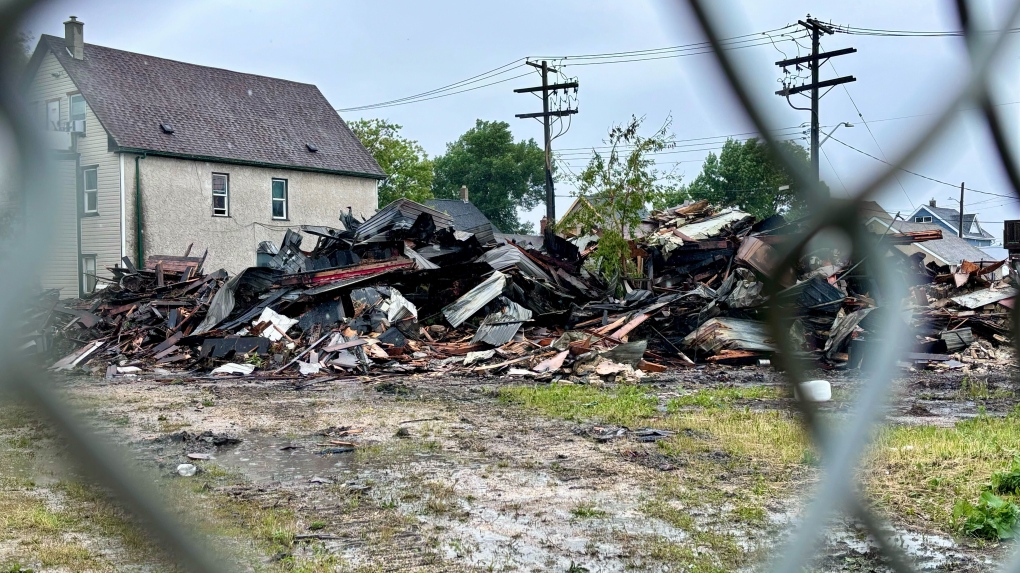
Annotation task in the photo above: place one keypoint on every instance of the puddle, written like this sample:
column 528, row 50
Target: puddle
column 265, row 459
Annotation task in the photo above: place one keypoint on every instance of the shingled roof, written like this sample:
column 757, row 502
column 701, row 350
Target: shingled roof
column 952, row 218
column 215, row 114
column 465, row 215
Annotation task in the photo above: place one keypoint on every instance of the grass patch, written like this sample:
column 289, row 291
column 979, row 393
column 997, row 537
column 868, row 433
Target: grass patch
column 919, row 473
column 771, row 437
column 682, row 556
column 723, row 397
column 587, row 510
column 624, row 406
column 977, row 389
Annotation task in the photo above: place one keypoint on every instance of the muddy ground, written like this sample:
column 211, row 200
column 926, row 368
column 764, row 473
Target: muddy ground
column 446, row 473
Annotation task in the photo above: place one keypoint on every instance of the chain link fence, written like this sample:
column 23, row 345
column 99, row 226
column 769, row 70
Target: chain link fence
column 841, row 442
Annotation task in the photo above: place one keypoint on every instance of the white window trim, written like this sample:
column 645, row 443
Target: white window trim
column 85, row 191
column 53, row 126
column 922, row 219
column 85, row 274
column 226, row 194
column 285, row 200
column 70, row 110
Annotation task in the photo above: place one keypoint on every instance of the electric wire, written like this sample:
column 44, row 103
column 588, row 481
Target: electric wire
column 921, row 175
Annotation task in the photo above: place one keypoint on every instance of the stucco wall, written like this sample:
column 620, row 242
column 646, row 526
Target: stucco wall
column 100, row 233
column 177, row 207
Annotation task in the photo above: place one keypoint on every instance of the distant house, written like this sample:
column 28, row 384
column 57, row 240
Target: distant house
column 466, row 216
column 949, row 251
column 949, row 220
column 156, row 154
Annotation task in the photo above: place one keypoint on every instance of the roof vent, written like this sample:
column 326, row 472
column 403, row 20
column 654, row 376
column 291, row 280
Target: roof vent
column 167, row 128
column 312, row 147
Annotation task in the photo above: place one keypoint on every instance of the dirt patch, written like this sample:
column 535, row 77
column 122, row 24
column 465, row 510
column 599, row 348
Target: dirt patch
column 427, row 473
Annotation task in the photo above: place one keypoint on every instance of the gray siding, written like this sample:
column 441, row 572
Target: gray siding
column 61, row 269
column 100, row 234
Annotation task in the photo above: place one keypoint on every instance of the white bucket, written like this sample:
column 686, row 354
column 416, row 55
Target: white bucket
column 814, row 391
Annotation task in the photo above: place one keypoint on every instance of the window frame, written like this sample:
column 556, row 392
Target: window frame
column 922, row 219
column 86, row 279
column 225, row 194
column 70, row 110
column 285, row 201
column 56, row 125
column 85, row 191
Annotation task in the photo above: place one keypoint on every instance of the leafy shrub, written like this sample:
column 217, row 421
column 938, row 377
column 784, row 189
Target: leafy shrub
column 992, row 518
column 1007, row 482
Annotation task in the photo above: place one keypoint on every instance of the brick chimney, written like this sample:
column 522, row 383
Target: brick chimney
column 74, row 38
column 464, row 194
column 543, row 224
column 931, row 203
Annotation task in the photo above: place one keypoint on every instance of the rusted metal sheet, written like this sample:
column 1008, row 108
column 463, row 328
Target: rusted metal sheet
column 330, row 275
column 760, row 256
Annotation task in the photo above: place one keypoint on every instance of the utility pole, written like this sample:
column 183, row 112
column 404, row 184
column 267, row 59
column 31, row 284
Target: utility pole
column 814, row 62
column 960, row 231
column 546, row 88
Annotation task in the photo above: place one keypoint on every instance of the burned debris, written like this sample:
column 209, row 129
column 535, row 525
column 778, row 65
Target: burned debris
column 403, row 291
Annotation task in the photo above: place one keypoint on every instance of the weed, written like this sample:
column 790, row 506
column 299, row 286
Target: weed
column 587, row 510
column 992, row 518
column 20, row 442
column 208, row 403
column 316, row 525
column 255, row 360
column 751, row 514
column 1007, row 482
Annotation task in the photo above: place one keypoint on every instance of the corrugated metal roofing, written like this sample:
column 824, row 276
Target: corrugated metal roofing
column 506, row 256
column 711, row 226
column 500, row 327
column 400, row 209
column 464, row 307
column 980, row 298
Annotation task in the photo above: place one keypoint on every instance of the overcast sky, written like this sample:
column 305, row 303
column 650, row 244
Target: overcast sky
column 361, row 53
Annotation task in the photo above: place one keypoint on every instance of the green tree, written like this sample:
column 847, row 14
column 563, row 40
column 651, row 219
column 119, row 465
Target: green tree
column 502, row 176
column 616, row 189
column 746, row 175
column 408, row 169
column 17, row 49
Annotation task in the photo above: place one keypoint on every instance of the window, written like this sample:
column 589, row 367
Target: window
column 77, row 106
column 220, row 195
column 279, row 198
column 88, row 274
column 90, row 187
column 922, row 219
column 53, row 115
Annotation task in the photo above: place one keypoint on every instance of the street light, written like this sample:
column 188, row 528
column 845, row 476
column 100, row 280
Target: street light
column 838, row 125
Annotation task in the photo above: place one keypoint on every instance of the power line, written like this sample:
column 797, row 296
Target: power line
column 873, row 138
column 693, row 49
column 668, row 48
column 857, row 31
column 953, row 185
column 831, row 166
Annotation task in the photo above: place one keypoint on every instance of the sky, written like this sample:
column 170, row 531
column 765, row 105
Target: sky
column 364, row 53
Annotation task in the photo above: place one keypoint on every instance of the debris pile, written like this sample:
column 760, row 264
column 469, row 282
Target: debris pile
column 403, row 292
